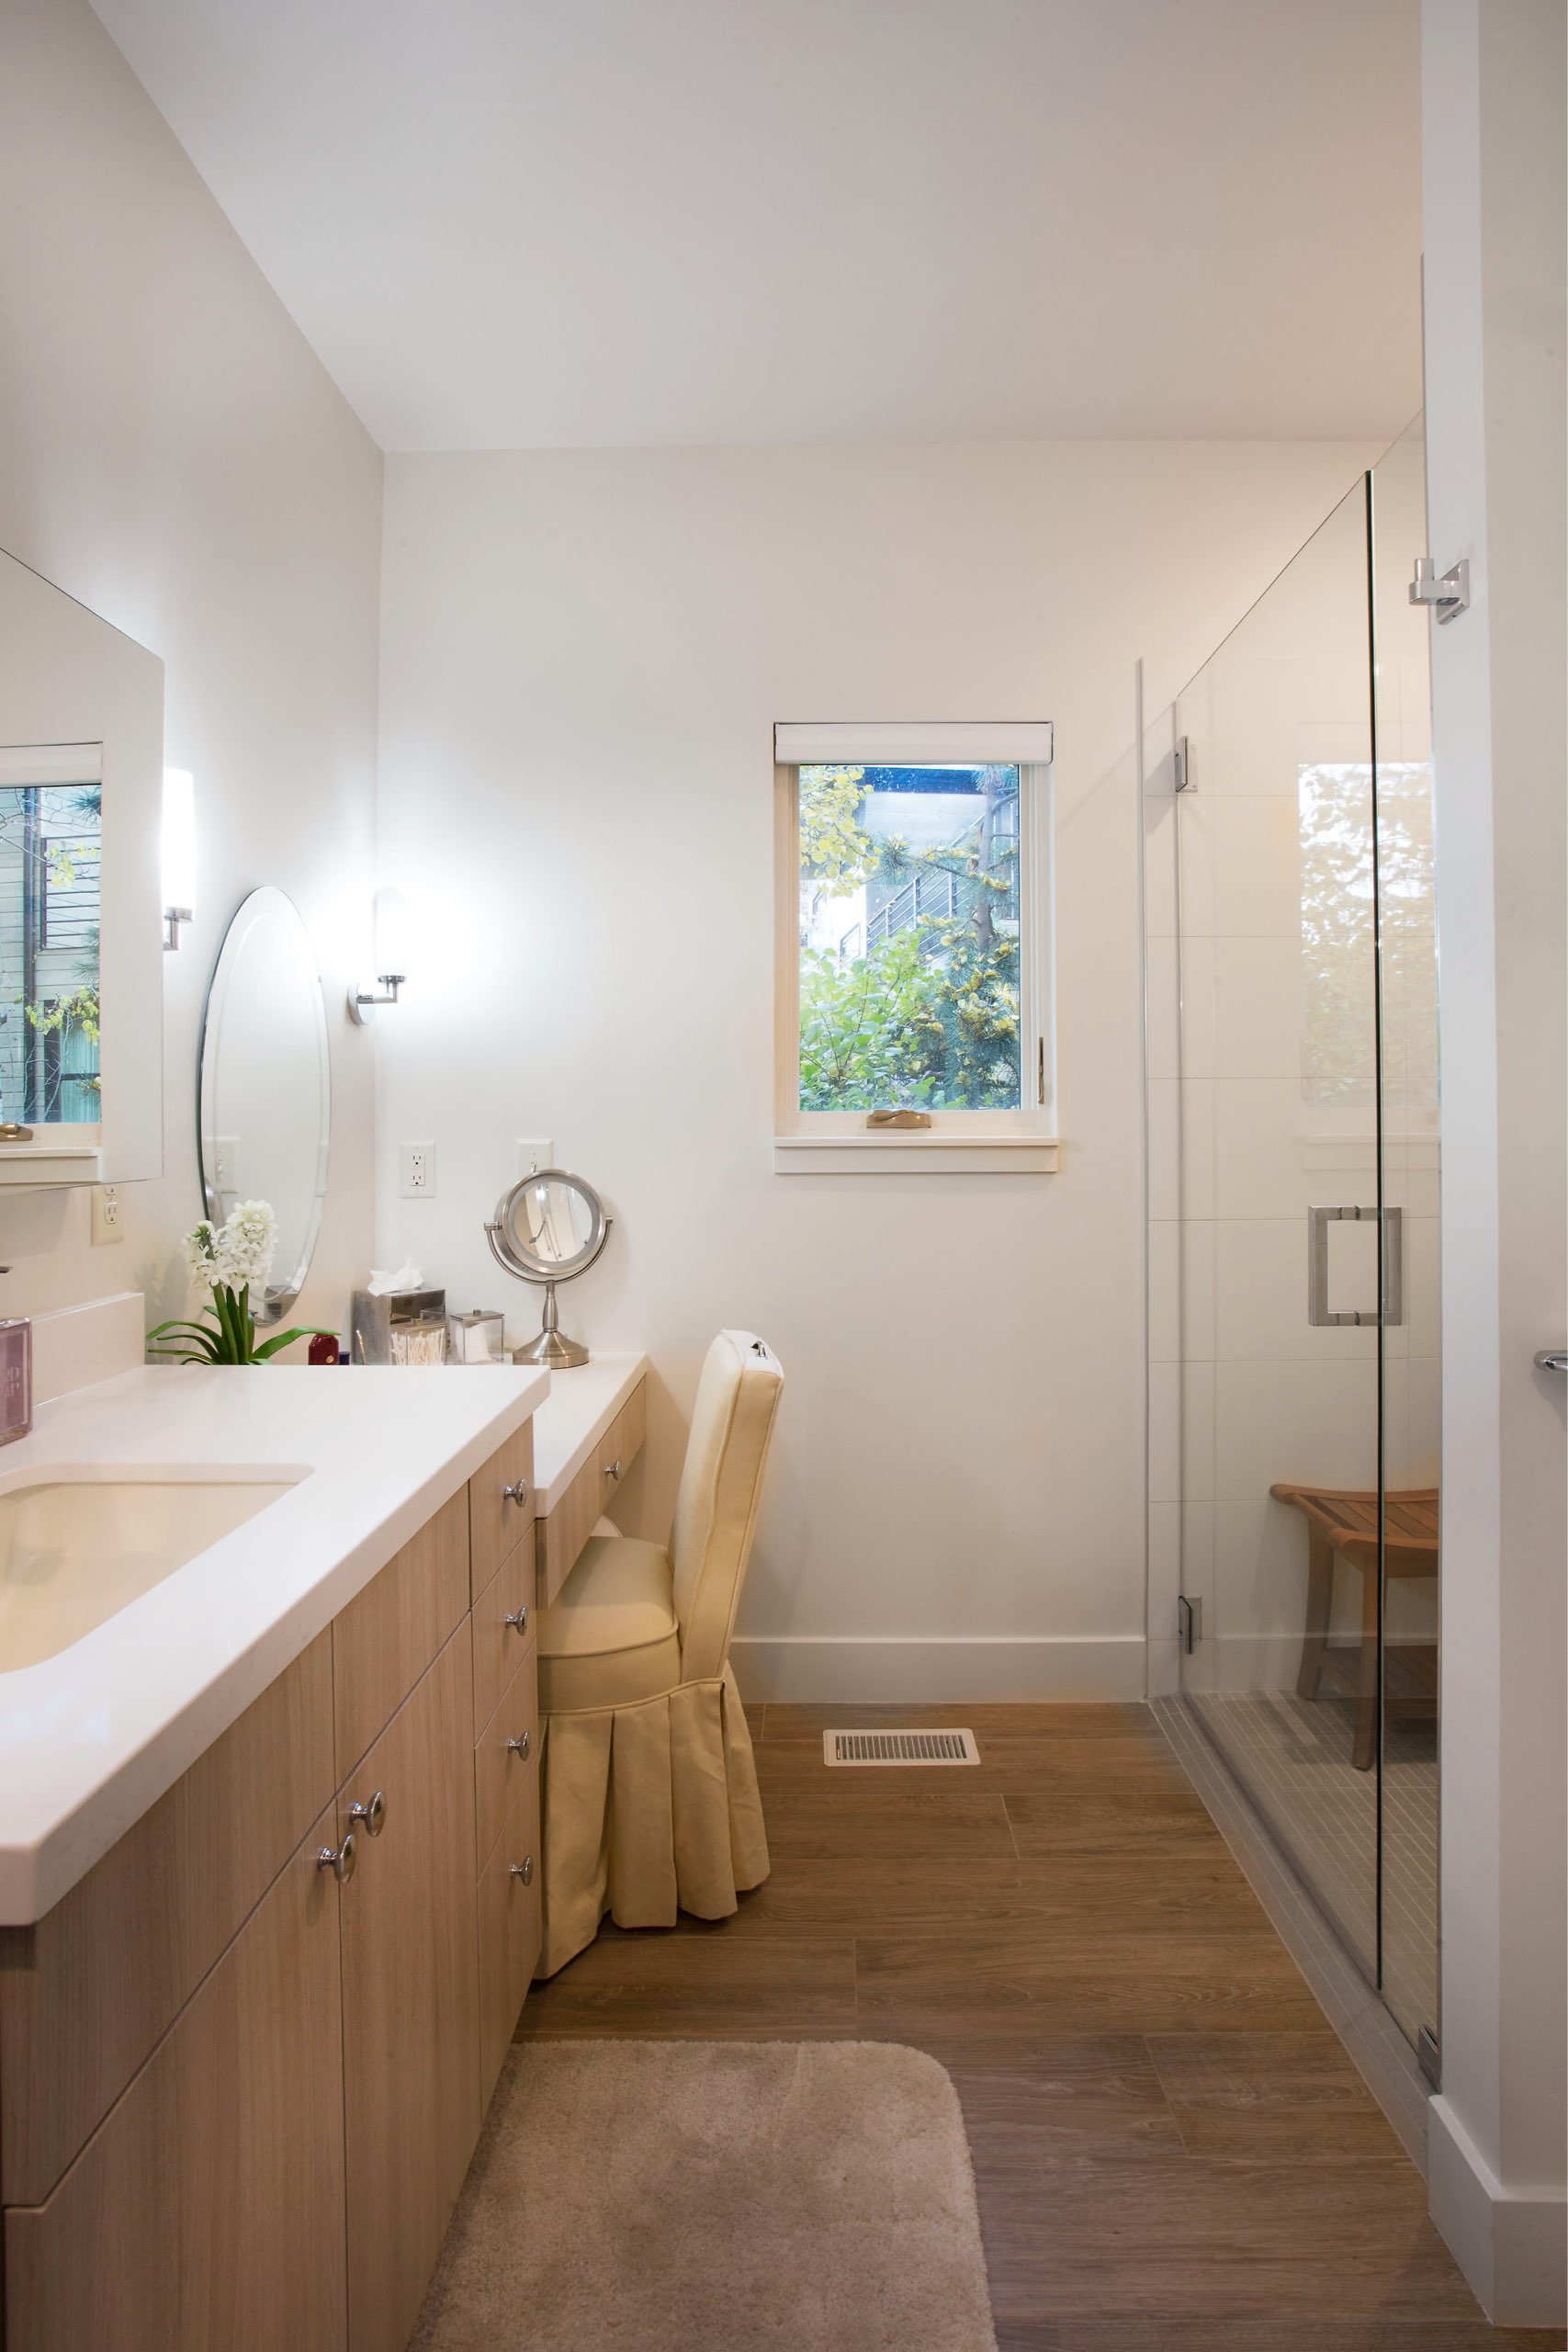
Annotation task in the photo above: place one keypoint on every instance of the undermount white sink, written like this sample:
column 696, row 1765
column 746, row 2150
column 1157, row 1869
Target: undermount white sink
column 76, row 1550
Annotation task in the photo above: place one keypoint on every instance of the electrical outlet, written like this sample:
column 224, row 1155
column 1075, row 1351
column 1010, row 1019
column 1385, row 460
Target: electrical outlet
column 533, row 1153
column 109, row 1214
column 416, row 1170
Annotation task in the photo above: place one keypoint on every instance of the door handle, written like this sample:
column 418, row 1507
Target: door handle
column 1553, row 1360
column 1391, row 1267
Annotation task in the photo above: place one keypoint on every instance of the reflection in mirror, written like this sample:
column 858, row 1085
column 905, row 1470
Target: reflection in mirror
column 264, row 1116
column 555, row 1219
column 50, row 813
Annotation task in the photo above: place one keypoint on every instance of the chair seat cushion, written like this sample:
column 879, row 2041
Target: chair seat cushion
column 610, row 1638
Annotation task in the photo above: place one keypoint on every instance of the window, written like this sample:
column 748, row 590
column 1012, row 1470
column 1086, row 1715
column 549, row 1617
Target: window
column 912, row 905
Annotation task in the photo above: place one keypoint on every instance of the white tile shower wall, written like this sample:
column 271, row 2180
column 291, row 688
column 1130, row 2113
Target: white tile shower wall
column 174, row 455
column 584, row 654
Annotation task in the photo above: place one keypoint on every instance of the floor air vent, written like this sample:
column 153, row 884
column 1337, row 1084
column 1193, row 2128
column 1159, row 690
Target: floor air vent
column 899, row 1747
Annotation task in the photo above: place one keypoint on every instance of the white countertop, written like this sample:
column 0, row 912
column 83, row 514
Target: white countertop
column 92, row 1736
column 573, row 1418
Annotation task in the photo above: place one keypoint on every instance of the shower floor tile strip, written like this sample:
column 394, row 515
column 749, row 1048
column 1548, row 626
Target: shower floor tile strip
column 1293, row 1756
column 1383, row 2053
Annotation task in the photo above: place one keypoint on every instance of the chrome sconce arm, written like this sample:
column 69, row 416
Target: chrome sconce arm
column 362, row 1001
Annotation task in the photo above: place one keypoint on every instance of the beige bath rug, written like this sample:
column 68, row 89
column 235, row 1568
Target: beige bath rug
column 713, row 2196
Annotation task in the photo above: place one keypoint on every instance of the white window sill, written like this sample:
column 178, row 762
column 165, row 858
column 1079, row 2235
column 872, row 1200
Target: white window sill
column 922, row 1153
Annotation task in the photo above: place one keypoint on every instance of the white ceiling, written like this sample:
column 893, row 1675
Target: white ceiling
column 506, row 223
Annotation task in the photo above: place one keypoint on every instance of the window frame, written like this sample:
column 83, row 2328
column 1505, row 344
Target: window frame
column 978, row 1142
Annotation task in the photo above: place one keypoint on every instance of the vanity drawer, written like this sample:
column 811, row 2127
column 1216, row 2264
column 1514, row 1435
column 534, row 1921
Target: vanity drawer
column 499, row 1645
column 85, row 1994
column 497, row 1523
column 568, row 1526
column 622, row 1442
column 389, row 1633
column 500, row 1771
column 510, row 1929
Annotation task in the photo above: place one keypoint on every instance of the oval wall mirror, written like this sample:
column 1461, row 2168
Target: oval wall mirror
column 264, row 1108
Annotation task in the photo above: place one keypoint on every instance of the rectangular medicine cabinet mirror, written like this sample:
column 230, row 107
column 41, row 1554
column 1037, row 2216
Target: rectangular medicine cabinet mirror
column 81, row 946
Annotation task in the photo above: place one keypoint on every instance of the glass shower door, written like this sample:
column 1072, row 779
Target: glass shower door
column 1308, row 1223
column 1278, row 1214
column 1408, row 1135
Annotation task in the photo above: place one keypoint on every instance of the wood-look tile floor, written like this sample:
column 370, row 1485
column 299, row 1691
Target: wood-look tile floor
column 1172, row 2146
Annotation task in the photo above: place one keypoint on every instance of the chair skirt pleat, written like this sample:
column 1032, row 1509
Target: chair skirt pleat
column 648, row 1810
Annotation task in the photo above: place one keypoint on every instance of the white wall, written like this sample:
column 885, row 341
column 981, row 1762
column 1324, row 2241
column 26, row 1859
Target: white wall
column 583, row 655
column 172, row 454
column 1493, row 138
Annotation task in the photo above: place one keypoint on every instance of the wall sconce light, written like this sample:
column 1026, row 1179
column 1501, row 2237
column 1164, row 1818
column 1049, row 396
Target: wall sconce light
column 391, row 958
column 178, row 853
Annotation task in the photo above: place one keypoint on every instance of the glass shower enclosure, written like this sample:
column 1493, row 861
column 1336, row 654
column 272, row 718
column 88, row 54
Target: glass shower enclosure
column 1302, row 1246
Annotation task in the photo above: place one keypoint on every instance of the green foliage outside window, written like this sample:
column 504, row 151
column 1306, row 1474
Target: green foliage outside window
column 927, row 1017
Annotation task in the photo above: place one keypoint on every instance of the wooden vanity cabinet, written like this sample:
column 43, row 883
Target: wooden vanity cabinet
column 207, row 2211
column 241, row 2084
column 411, row 2051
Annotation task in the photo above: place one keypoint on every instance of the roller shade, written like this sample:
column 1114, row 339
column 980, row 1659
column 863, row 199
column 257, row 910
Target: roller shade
column 880, row 744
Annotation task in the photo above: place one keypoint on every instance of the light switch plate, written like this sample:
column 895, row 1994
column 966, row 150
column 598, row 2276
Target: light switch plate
column 416, row 1170
column 533, row 1153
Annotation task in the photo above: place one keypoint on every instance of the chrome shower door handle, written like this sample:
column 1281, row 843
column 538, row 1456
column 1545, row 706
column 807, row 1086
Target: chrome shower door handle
column 1391, row 1267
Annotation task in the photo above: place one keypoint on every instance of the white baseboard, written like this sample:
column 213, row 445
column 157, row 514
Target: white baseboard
column 934, row 1672
column 1511, row 2245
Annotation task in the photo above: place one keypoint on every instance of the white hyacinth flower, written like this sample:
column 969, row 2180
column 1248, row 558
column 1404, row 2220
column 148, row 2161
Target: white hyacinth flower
column 200, row 1255
column 238, row 1252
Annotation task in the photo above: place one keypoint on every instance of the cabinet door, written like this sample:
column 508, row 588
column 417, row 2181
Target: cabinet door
column 409, row 1999
column 510, row 1930
column 207, row 2211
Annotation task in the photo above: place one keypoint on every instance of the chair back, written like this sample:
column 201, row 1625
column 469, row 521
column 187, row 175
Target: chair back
column 716, row 1511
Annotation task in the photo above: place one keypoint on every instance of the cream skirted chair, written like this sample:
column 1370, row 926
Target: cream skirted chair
column 649, row 1798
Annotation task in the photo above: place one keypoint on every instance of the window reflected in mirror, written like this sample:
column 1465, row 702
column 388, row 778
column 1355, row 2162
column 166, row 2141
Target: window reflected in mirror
column 49, row 876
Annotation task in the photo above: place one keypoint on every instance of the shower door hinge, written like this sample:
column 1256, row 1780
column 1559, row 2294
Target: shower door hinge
column 1449, row 596
column 1188, row 1624
column 1182, row 761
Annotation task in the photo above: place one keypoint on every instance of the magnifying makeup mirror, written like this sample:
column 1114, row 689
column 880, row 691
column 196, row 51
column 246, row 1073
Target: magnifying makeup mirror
column 547, row 1229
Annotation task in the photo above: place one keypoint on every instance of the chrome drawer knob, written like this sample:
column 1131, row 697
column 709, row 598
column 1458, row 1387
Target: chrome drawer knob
column 612, row 1469
column 339, row 1859
column 523, row 1870
column 373, row 1815
column 517, row 1494
column 520, row 1748
column 517, row 1619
